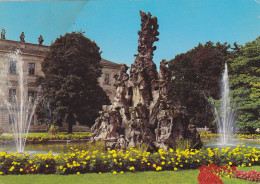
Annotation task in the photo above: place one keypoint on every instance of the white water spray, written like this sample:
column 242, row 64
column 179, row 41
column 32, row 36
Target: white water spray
column 19, row 107
column 225, row 116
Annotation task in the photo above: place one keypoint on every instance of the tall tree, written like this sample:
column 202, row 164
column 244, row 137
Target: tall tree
column 197, row 77
column 70, row 82
column 245, row 85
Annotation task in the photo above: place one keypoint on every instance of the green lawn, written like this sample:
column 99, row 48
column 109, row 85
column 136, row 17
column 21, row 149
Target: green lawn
column 150, row 177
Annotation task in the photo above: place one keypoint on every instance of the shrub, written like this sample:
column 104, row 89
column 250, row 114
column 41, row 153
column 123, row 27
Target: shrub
column 53, row 130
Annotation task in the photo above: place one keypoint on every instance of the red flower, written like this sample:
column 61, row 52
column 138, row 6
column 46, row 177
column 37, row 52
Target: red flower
column 250, row 176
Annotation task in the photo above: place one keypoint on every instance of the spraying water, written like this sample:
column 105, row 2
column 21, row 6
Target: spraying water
column 225, row 116
column 19, row 106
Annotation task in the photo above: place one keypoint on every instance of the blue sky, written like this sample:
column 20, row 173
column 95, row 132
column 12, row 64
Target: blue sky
column 113, row 24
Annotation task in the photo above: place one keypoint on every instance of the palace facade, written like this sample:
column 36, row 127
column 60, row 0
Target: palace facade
column 33, row 55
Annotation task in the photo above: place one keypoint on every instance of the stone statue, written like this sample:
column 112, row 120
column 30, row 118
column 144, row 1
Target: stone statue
column 141, row 112
column 194, row 136
column 164, row 127
column 22, row 36
column 134, row 135
column 40, row 40
column 121, row 143
column 3, row 34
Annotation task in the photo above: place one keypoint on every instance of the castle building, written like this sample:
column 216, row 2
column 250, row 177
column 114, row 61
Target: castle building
column 33, row 55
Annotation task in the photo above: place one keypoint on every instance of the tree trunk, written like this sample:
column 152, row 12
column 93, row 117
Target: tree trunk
column 70, row 128
column 251, row 130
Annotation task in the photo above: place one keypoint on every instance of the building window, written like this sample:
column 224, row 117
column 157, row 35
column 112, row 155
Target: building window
column 31, row 96
column 106, row 79
column 12, row 67
column 31, row 68
column 12, row 95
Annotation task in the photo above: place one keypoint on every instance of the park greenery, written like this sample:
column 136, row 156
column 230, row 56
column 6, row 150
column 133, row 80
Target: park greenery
column 245, row 85
column 197, row 78
column 70, row 84
column 45, row 137
column 71, row 92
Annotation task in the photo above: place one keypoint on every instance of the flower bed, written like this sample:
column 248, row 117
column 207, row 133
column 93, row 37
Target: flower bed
column 249, row 176
column 211, row 174
column 46, row 138
column 205, row 177
column 208, row 136
column 116, row 161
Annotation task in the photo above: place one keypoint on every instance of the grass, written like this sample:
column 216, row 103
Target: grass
column 149, row 177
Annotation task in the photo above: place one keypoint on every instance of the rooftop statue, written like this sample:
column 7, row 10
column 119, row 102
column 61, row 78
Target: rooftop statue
column 22, row 36
column 40, row 40
column 3, row 34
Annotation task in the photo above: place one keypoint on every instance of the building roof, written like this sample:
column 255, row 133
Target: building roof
column 40, row 50
column 105, row 62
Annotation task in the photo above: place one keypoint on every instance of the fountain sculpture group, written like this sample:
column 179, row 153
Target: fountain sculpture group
column 142, row 112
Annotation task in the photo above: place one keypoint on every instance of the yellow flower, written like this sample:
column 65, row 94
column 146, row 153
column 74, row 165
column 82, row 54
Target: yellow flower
column 122, row 172
column 154, row 165
column 158, row 168
column 114, row 172
column 78, row 172
column 148, row 164
column 61, row 167
column 230, row 163
column 132, row 168
column 100, row 173
column 163, row 163
column 47, row 166
column 175, row 169
column 1, row 173
column 249, row 164
column 21, row 169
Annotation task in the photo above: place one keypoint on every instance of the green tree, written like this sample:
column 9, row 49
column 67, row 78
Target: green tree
column 197, row 77
column 245, row 85
column 70, row 83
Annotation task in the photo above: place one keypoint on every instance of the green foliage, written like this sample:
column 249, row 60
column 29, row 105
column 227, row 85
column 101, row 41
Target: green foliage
column 45, row 138
column 245, row 85
column 181, row 144
column 53, row 129
column 197, row 77
column 70, row 83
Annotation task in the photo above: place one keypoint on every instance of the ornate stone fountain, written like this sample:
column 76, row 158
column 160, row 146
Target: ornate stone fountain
column 142, row 111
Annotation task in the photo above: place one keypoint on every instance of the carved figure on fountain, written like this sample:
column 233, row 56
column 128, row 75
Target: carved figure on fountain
column 134, row 133
column 164, row 80
column 164, row 128
column 193, row 135
column 121, row 143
